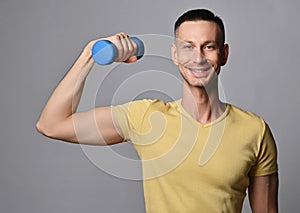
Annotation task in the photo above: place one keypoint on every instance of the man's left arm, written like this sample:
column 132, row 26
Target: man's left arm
column 263, row 193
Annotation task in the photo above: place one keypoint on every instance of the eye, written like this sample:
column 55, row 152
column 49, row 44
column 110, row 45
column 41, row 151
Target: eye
column 187, row 46
column 209, row 47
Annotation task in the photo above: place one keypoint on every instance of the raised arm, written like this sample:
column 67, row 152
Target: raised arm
column 263, row 194
column 59, row 118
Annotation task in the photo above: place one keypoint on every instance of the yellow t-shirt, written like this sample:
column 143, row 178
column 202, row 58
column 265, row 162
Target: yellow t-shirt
column 193, row 167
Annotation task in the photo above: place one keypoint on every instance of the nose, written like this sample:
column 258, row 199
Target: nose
column 199, row 57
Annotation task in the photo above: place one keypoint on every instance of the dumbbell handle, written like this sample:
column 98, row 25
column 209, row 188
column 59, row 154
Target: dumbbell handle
column 104, row 52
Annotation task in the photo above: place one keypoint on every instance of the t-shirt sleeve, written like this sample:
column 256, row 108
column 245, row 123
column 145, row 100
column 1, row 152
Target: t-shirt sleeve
column 266, row 163
column 120, row 113
column 129, row 117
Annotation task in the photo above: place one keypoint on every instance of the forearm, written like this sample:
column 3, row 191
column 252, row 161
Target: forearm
column 65, row 98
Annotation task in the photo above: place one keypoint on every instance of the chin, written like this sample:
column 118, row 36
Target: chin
column 196, row 83
column 201, row 84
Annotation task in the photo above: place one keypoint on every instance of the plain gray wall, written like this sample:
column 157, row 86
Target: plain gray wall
column 39, row 41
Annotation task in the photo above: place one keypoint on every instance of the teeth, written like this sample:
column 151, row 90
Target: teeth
column 193, row 70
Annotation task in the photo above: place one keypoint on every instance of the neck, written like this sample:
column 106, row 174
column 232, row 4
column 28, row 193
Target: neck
column 203, row 104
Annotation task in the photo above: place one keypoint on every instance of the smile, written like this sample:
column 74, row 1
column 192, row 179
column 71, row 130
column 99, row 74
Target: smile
column 199, row 70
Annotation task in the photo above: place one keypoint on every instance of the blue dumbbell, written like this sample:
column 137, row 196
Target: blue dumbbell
column 105, row 52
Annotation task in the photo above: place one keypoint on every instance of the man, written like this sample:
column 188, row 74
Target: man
column 198, row 153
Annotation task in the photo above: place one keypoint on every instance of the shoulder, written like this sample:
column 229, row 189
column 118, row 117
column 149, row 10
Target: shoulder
column 246, row 119
column 150, row 105
column 142, row 108
column 242, row 114
column 138, row 112
column 255, row 129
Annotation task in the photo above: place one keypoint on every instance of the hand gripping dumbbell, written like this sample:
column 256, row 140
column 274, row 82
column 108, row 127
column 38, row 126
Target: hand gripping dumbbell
column 104, row 52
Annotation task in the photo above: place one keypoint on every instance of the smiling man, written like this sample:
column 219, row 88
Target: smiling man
column 198, row 153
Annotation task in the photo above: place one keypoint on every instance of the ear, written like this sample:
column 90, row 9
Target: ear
column 225, row 54
column 174, row 54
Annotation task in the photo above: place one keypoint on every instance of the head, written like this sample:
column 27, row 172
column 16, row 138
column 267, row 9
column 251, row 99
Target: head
column 199, row 49
column 201, row 15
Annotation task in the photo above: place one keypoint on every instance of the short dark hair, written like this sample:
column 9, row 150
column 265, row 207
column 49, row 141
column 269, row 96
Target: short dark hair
column 198, row 15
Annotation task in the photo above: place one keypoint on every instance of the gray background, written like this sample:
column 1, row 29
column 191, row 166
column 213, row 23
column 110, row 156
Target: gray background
column 39, row 41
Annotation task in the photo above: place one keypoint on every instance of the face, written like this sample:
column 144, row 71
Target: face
column 199, row 53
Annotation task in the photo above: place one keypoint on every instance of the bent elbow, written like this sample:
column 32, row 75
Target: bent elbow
column 42, row 128
column 55, row 131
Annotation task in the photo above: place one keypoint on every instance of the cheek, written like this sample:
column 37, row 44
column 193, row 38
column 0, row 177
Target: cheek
column 185, row 57
column 181, row 68
column 214, row 59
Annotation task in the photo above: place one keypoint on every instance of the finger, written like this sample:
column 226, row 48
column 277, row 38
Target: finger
column 130, row 45
column 117, row 42
column 134, row 46
column 125, row 45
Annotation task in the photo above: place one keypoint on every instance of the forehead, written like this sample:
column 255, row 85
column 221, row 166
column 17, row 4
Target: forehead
column 195, row 30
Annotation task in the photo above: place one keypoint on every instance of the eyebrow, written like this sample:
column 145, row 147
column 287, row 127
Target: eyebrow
column 208, row 41
column 191, row 42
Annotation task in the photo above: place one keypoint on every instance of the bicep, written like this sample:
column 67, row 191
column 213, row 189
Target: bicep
column 94, row 127
column 263, row 193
